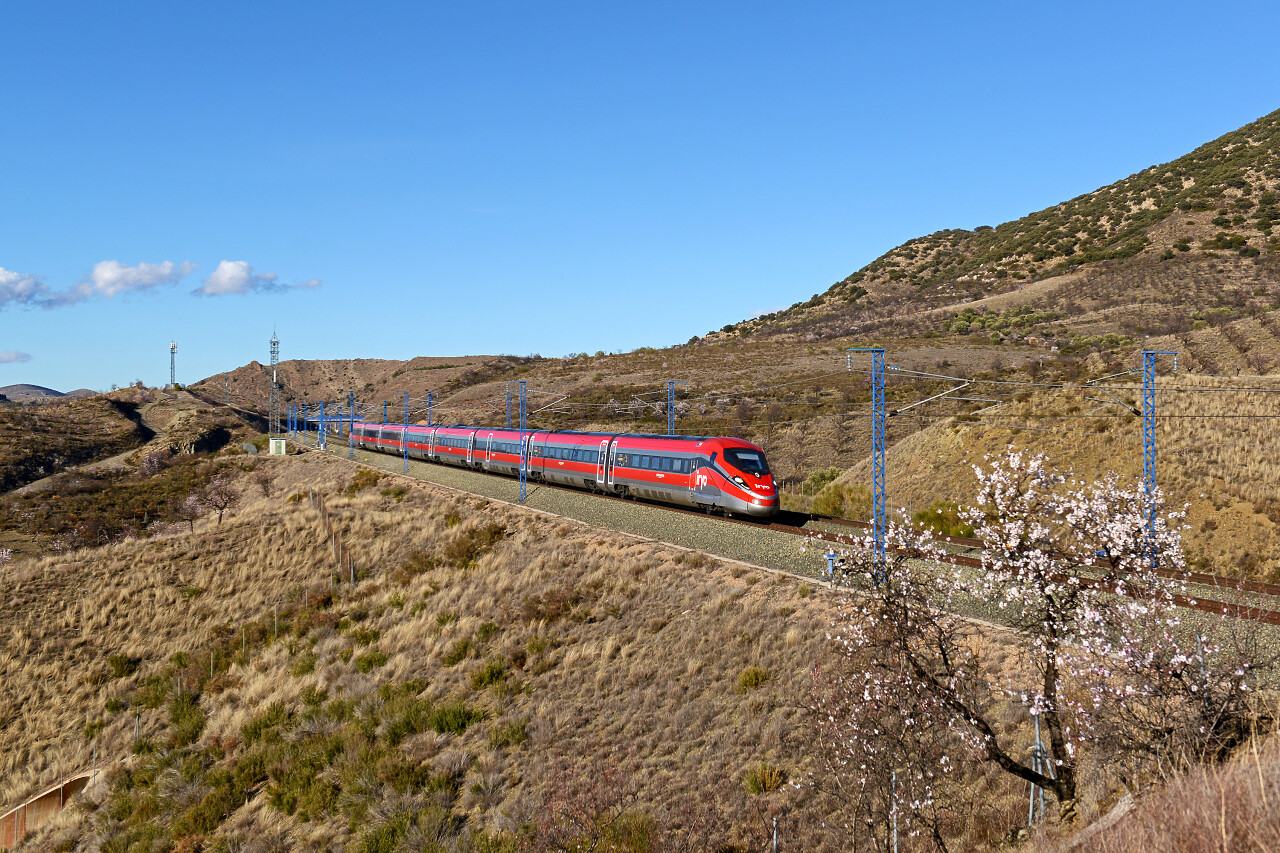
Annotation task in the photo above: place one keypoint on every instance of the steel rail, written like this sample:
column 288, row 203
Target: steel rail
column 1226, row 608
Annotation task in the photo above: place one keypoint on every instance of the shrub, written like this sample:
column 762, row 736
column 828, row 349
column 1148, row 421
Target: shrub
column 264, row 726
column 469, row 546
column 365, row 478
column 454, row 717
column 943, row 517
column 187, row 719
column 511, row 734
column 457, row 652
column 819, row 480
column 764, row 778
column 364, row 636
column 304, row 665
column 487, row 632
column 122, row 665
column 751, row 678
column 370, row 660
column 493, row 672
column 844, row 500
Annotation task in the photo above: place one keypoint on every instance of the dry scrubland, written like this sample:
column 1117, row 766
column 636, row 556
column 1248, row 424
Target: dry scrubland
column 1208, row 456
column 567, row 646
column 492, row 669
column 37, row 440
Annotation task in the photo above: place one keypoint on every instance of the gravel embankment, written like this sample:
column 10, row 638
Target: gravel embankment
column 767, row 548
column 770, row 549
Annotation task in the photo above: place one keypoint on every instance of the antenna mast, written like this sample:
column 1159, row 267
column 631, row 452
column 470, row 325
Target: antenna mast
column 173, row 356
column 274, row 404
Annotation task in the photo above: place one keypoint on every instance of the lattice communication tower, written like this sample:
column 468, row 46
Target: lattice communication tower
column 274, row 404
column 173, row 361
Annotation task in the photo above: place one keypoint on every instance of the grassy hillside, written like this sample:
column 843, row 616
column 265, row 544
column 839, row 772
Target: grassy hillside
column 1180, row 256
column 1221, row 200
column 39, row 440
column 1214, row 454
column 495, row 679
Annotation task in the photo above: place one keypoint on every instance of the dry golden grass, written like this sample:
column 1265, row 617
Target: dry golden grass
column 613, row 648
column 1231, row 808
column 687, row 672
column 1208, row 456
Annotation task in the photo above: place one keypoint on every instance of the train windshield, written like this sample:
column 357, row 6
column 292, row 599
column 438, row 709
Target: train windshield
column 748, row 461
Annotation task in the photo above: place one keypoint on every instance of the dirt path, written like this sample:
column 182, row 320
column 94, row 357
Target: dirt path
column 119, row 461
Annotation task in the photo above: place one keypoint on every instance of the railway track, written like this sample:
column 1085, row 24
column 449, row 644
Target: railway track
column 798, row 524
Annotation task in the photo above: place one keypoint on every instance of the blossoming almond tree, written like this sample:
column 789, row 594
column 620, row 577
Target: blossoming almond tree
column 1088, row 576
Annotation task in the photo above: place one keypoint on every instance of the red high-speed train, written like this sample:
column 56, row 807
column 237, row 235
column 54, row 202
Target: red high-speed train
column 716, row 474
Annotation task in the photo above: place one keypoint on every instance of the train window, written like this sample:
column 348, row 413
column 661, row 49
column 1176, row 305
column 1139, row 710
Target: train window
column 666, row 463
column 750, row 461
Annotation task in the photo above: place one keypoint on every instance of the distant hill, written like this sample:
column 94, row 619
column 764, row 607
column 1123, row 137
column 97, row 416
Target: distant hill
column 1187, row 235
column 81, row 393
column 29, row 393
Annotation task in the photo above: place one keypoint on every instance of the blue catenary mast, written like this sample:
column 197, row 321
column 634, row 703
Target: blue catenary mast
column 671, row 404
column 404, row 436
column 351, row 428
column 1149, row 429
column 524, row 445
column 430, row 399
column 320, row 428
column 878, row 523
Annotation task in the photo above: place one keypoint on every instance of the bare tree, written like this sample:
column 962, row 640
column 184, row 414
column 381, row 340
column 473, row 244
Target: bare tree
column 190, row 509
column 1104, row 651
column 220, row 495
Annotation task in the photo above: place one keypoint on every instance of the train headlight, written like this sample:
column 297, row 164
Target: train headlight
column 740, row 482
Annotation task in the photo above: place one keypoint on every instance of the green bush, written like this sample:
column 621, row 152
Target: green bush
column 187, row 719
column 818, row 480
column 764, row 778
column 304, row 665
column 370, row 660
column 751, row 678
column 398, row 491
column 265, row 727
column 493, row 672
column 457, row 652
column 454, row 717
column 469, row 546
column 365, row 478
column 511, row 734
column 943, row 517
column 844, row 500
column 122, row 665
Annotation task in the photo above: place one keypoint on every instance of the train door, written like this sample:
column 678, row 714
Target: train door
column 602, row 462
column 705, row 492
column 526, row 448
column 471, row 448
column 488, row 451
column 613, row 457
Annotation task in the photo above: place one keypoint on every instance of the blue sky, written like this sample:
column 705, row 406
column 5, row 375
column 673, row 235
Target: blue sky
column 399, row 179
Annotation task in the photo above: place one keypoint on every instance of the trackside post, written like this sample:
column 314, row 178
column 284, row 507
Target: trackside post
column 878, row 525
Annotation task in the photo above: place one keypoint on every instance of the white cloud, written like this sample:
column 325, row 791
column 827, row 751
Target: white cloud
column 21, row 288
column 238, row 277
column 13, row 357
column 110, row 279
